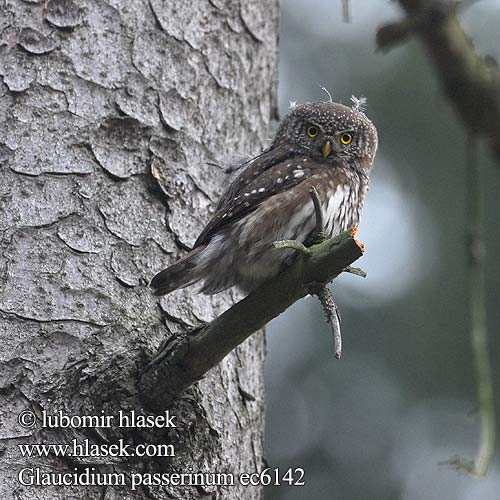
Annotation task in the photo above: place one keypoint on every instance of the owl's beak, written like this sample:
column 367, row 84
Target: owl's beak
column 327, row 149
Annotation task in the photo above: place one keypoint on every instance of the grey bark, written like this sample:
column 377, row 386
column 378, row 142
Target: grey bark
column 93, row 94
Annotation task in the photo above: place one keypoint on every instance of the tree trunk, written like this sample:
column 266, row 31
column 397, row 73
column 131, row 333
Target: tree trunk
column 110, row 116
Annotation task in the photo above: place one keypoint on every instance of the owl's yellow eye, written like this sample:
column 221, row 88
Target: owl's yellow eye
column 346, row 138
column 312, row 131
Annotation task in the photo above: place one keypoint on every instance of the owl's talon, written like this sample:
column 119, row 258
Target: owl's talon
column 315, row 239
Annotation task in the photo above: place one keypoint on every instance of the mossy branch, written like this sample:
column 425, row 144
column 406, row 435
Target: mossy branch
column 477, row 318
column 185, row 359
column 471, row 82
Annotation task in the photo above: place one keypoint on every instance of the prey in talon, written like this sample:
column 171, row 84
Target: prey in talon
column 321, row 145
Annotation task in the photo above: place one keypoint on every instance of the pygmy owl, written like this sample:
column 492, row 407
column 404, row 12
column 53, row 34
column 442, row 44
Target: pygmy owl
column 322, row 144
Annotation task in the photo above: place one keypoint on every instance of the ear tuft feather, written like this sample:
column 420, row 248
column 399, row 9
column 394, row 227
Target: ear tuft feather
column 324, row 89
column 359, row 103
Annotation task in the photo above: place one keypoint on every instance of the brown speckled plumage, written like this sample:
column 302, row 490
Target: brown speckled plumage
column 270, row 200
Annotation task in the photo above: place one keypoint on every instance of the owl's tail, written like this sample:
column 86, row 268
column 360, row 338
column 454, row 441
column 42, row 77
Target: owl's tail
column 179, row 275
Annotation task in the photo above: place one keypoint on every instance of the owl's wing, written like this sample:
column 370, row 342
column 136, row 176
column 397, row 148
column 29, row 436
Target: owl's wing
column 272, row 172
column 252, row 168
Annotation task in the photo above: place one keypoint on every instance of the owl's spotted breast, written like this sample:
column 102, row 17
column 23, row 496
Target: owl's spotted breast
column 325, row 145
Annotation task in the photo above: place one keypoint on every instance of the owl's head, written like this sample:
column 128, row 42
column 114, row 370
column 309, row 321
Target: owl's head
column 328, row 130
